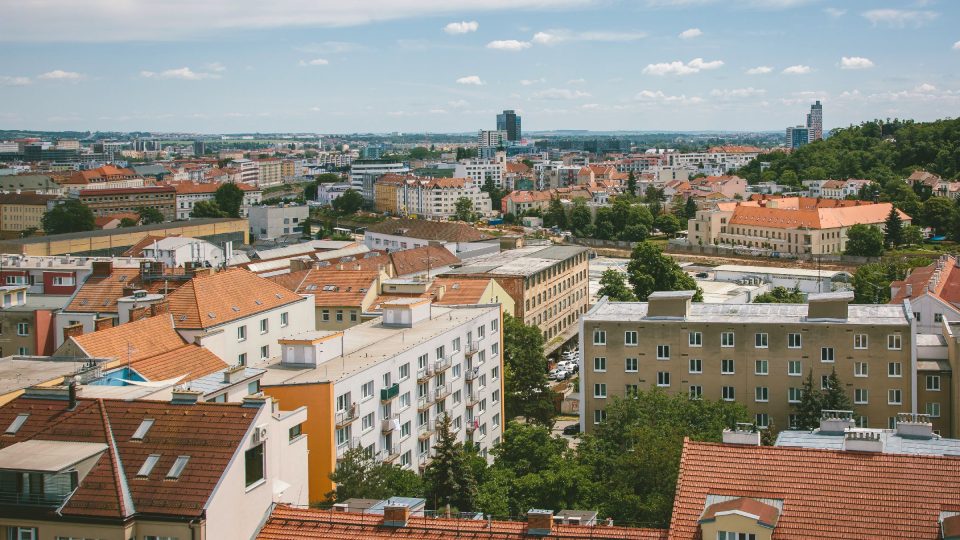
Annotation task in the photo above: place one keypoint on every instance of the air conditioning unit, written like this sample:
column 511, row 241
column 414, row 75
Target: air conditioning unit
column 260, row 434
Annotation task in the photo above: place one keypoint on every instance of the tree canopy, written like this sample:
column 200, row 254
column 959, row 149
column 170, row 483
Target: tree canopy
column 463, row 210
column 149, row 215
column 864, row 241
column 348, row 202
column 649, row 270
column 206, row 209
column 613, row 285
column 780, row 295
column 525, row 385
column 229, row 199
column 67, row 217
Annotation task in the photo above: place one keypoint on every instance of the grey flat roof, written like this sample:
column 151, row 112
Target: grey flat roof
column 35, row 302
column 778, row 270
column 892, row 443
column 111, row 232
column 17, row 373
column 214, row 382
column 518, row 262
column 880, row 314
column 47, row 456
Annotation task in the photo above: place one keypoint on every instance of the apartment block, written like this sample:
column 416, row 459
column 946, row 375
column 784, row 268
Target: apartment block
column 384, row 385
column 481, row 170
column 269, row 172
column 104, row 202
column 23, row 211
column 431, row 198
column 190, row 193
column 269, row 222
column 754, row 354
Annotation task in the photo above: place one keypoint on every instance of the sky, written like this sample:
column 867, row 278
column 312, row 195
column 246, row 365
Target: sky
column 346, row 66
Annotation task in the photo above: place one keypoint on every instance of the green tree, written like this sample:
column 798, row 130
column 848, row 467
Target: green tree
column 864, row 241
column 871, row 282
column 690, row 208
column 206, row 209
column 525, row 367
column 613, row 285
column 635, row 233
column 67, row 217
column 149, row 215
column 348, row 202
column 579, row 216
column 356, row 476
column 128, row 222
column 327, row 178
column 780, row 295
column 604, row 224
column 555, row 216
column 448, row 479
column 667, row 223
column 30, row 231
column 463, row 210
column 912, row 235
column 893, row 229
column 650, row 270
column 940, row 214
column 496, row 194
column 229, row 198
column 811, row 403
column 835, row 398
column 632, row 184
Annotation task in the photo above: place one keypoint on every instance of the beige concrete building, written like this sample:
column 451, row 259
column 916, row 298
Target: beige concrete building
column 22, row 211
column 755, row 354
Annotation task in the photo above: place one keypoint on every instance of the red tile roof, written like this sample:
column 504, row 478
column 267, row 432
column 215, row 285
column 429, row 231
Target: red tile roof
column 287, row 523
column 100, row 174
column 99, row 294
column 330, row 286
column 944, row 284
column 826, row 494
column 126, row 191
column 193, row 188
column 825, row 216
column 188, row 361
column 215, row 299
column 762, row 512
column 412, row 261
column 132, row 341
column 209, row 433
column 449, row 231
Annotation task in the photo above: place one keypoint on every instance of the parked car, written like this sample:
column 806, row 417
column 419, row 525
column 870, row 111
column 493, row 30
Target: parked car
column 572, row 354
column 568, row 365
column 703, row 275
column 558, row 374
column 572, row 429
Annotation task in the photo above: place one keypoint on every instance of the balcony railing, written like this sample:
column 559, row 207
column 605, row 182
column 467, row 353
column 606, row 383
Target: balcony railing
column 441, row 392
column 424, row 402
column 472, row 374
column 472, row 399
column 353, row 442
column 388, row 455
column 390, row 424
column 386, row 394
column 345, row 417
column 426, row 430
column 425, row 373
column 424, row 461
column 442, row 364
column 471, row 348
column 32, row 499
column 472, row 425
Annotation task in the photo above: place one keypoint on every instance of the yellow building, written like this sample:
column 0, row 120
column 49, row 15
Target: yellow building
column 21, row 211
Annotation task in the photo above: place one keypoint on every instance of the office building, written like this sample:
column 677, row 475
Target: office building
column 384, row 385
column 509, row 121
column 797, row 136
column 815, row 122
column 489, row 141
column 363, row 172
column 199, row 148
column 270, row 222
column 755, row 354
column 481, row 170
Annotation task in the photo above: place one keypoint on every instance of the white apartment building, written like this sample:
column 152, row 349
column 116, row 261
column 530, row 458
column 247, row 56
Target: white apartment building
column 268, row 222
column 361, row 169
column 327, row 193
column 384, row 385
column 249, row 170
column 189, row 194
column 490, row 137
column 177, row 251
column 479, row 170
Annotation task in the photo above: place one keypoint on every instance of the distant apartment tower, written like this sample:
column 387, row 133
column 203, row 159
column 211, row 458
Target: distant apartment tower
column 815, row 122
column 797, row 136
column 199, row 148
column 488, row 141
column 509, row 121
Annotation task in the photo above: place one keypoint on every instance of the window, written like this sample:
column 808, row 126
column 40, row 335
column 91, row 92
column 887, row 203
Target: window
column 254, row 464
column 295, row 432
column 284, row 319
column 177, row 468
column 455, row 372
column 405, row 371
column 630, row 365
column 663, row 352
column 894, row 369
column 494, row 373
column 793, row 368
column 405, row 430
column 599, row 337
column 423, row 446
column 404, row 400
column 343, row 435
column 695, row 339
column 264, row 326
column 366, row 391
column 761, row 367
column 600, row 364
column 894, row 342
column 23, row 329
column 893, row 397
column 933, row 383
column 455, row 345
column 793, row 341
column 663, row 378
column 826, row 354
column 860, row 369
column 726, row 339
column 729, row 393
column 138, row 435
column 253, row 387
column 630, row 338
column 494, row 325
column 22, row 419
column 760, row 394
column 632, row 390
column 482, row 332
column 859, row 341
column 494, row 350
column 148, row 465
column 340, row 315
column 696, row 391
column 762, row 420
column 242, row 333
column 726, row 367
column 242, row 359
column 794, row 395
column 63, row 281
column 760, row 340
column 264, row 352
column 824, row 382
column 696, row 365
column 366, row 423
column 495, row 396
column 938, row 317
column 726, row 535
column 933, row 409
column 343, row 402
column 599, row 390
column 861, row 396
column 599, row 415
column 325, row 315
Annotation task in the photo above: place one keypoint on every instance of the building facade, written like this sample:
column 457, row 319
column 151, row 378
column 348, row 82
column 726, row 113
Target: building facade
column 509, row 121
column 104, row 202
column 269, row 222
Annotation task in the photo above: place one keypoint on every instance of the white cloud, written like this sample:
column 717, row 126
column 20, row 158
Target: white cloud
column 437, row 111
column 183, row 73
column 315, row 62
column 560, row 93
column 14, row 81
column 956, row 46
column 759, row 70
column 470, row 79
column 577, row 81
column 216, row 66
column 798, row 69
column 60, row 75
column 899, row 18
column 458, row 103
column 925, row 88
column 855, row 62
column 508, row 45
column 463, row 27
column 835, row 12
column 590, row 106
column 735, row 93
column 553, row 37
column 659, row 96
column 544, row 38
column 690, row 33
column 531, row 82
column 679, row 68
column 330, row 47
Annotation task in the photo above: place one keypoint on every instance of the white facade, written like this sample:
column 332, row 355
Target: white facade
column 479, row 170
column 359, row 170
column 177, row 251
column 186, row 201
column 327, row 193
column 395, row 242
column 268, row 222
column 249, row 171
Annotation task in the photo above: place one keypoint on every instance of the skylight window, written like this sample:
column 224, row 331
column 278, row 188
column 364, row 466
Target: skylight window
column 122, row 278
column 177, row 467
column 148, row 465
column 142, row 430
column 17, row 424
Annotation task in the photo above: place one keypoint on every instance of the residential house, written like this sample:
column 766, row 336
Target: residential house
column 461, row 239
column 341, row 297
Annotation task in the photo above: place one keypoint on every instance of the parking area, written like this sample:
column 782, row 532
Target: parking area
column 562, row 423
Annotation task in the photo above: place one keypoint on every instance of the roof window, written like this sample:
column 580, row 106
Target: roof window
column 177, row 468
column 142, row 430
column 17, row 424
column 148, row 465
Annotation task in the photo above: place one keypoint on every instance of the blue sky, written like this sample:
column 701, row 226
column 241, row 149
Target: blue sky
column 430, row 65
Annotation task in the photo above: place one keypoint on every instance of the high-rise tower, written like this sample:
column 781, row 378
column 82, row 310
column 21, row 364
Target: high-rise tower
column 815, row 122
column 509, row 121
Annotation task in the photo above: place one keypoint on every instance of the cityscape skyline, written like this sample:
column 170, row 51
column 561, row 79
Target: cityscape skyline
column 660, row 65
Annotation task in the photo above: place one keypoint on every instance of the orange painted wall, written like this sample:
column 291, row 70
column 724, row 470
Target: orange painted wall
column 319, row 428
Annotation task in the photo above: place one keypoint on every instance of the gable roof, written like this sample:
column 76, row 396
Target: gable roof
column 822, row 216
column 940, row 279
column 449, row 231
column 211, row 300
column 854, row 495
column 286, row 522
column 99, row 294
column 412, row 261
column 132, row 341
column 189, row 361
column 460, row 291
column 209, row 433
column 331, row 286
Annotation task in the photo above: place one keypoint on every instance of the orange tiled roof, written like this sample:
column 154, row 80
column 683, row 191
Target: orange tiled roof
column 210, row 433
column 132, row 341
column 189, row 360
column 460, row 291
column 735, row 150
column 765, row 513
column 100, row 174
column 412, row 261
column 211, row 300
column 826, row 494
column 823, row 216
column 287, row 522
column 99, row 294
column 193, row 188
column 430, row 230
column 946, row 286
column 351, row 286
column 136, row 250
column 103, row 221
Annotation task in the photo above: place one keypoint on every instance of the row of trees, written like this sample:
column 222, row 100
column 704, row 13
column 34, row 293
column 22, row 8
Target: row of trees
column 74, row 216
column 627, row 218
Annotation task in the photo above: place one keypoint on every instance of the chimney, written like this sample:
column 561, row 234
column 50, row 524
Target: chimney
column 914, row 426
column 836, row 422
column 72, row 394
column 909, row 290
column 832, row 305
column 184, row 396
column 138, row 313
column 159, row 308
column 862, row 441
column 61, row 393
column 102, row 323
column 233, row 374
column 743, row 434
column 396, row 515
column 102, row 268
column 72, row 330
column 341, row 507
column 539, row 522
column 255, row 401
column 674, row 304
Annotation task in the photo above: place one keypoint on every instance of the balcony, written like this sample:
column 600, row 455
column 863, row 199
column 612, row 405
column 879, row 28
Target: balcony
column 426, row 430
column 472, row 425
column 424, row 461
column 389, row 455
column 442, row 365
column 390, row 424
column 472, row 348
column 15, row 498
column 425, row 373
column 386, row 394
column 472, row 399
column 423, row 403
column 472, row 374
column 441, row 392
column 345, row 417
column 353, row 442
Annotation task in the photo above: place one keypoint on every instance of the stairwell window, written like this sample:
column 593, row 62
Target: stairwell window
column 726, row 367
column 630, row 365
column 861, row 369
column 861, row 396
column 600, row 364
column 695, row 339
column 933, row 409
column 894, row 397
column 761, row 367
column 696, row 365
column 933, row 383
column 599, row 390
column 663, row 352
column 761, row 394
